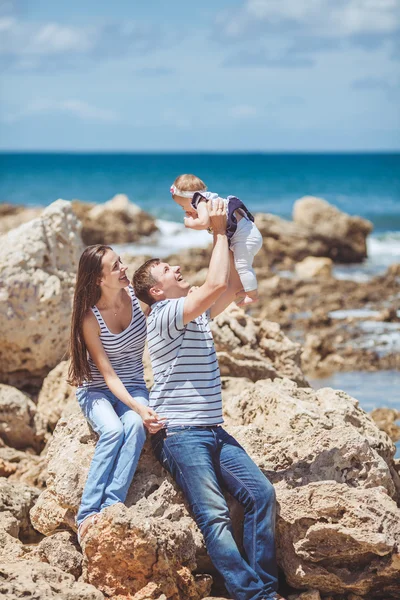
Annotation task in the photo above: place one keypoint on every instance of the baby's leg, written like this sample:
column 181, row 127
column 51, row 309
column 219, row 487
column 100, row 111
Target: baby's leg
column 245, row 244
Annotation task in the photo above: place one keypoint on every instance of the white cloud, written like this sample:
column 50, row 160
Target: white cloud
column 78, row 108
column 243, row 111
column 31, row 46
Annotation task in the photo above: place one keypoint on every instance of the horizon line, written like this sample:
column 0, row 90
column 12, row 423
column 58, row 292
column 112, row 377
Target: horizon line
column 253, row 151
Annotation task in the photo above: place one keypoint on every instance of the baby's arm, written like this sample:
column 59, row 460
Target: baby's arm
column 202, row 221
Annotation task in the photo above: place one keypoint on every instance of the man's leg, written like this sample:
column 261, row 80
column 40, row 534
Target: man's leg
column 191, row 455
column 244, row 480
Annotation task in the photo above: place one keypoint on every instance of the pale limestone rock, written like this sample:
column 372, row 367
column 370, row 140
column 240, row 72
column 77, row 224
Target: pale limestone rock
column 56, row 396
column 254, row 349
column 18, row 428
column 303, row 440
column 23, row 466
column 39, row 581
column 12, row 216
column 328, row 222
column 339, row 539
column 313, row 266
column 385, row 419
column 117, row 221
column 147, row 550
column 17, row 499
column 60, row 550
column 10, row 546
column 37, row 273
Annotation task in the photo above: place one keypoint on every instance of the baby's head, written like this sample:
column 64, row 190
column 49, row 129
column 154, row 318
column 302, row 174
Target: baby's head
column 183, row 188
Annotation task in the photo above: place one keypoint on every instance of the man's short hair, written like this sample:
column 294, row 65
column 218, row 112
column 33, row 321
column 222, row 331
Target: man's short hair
column 143, row 280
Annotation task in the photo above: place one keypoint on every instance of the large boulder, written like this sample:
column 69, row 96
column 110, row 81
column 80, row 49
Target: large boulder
column 117, row 221
column 312, row 266
column 12, row 216
column 332, row 469
column 317, row 229
column 56, row 396
column 255, row 349
column 38, row 266
column 25, row 467
column 21, row 579
column 346, row 234
column 17, row 499
column 20, row 427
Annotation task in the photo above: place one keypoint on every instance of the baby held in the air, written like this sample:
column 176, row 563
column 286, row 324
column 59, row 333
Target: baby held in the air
column 244, row 238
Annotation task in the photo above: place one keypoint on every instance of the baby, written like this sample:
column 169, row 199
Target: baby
column 244, row 238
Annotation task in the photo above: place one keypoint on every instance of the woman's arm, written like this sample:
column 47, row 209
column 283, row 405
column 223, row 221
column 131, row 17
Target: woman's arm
column 96, row 350
column 202, row 221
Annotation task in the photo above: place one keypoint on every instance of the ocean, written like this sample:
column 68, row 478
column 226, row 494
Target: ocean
column 367, row 185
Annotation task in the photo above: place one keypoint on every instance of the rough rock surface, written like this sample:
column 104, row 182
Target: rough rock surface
column 37, row 272
column 19, row 425
column 25, row 467
column 312, row 266
column 12, row 216
column 38, row 581
column 56, row 396
column 117, row 221
column 60, row 550
column 255, row 349
column 310, row 444
column 386, row 418
column 17, row 499
column 346, row 234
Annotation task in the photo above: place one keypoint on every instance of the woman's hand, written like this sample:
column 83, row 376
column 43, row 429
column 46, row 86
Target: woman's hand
column 151, row 420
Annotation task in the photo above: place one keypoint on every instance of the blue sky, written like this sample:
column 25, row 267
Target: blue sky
column 227, row 75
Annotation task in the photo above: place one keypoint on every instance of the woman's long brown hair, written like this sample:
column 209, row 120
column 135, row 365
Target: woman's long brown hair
column 87, row 294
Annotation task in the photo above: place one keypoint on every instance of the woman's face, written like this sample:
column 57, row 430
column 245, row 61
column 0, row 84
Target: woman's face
column 114, row 272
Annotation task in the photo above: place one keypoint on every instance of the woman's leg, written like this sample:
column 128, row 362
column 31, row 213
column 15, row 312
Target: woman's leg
column 126, row 462
column 97, row 406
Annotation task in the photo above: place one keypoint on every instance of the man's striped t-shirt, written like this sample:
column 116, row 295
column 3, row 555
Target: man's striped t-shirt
column 187, row 384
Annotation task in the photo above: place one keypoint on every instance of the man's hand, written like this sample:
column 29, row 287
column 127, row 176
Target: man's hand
column 151, row 420
column 217, row 215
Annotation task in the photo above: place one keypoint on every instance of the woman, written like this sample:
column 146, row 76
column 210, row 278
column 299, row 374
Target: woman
column 108, row 333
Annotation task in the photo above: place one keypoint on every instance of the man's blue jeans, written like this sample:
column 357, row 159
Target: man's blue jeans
column 204, row 461
column 121, row 438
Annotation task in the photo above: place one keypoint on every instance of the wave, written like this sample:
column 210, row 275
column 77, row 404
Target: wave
column 172, row 237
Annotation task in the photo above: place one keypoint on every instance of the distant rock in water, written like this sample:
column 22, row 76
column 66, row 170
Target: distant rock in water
column 317, row 229
column 118, row 221
column 38, row 264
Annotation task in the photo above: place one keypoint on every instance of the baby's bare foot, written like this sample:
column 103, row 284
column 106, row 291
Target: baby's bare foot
column 247, row 300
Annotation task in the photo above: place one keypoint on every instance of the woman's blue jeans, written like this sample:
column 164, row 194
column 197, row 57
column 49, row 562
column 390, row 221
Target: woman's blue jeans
column 204, row 461
column 121, row 438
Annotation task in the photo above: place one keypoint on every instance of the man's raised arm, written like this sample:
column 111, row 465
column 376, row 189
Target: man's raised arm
column 216, row 281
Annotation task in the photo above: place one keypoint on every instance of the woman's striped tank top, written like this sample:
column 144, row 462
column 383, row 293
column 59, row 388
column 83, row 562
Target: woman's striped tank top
column 124, row 350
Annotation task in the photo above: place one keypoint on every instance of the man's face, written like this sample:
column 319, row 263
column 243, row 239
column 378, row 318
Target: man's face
column 170, row 283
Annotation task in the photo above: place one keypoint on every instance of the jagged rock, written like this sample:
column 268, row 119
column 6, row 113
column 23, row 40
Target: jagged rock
column 37, row 580
column 10, row 546
column 23, row 466
column 340, row 539
column 56, row 396
column 37, row 273
column 317, row 229
column 386, row 418
column 312, row 266
column 12, row 216
column 254, row 349
column 307, row 443
column 17, row 419
column 60, row 550
column 117, row 221
column 17, row 499
column 346, row 234
column 146, row 550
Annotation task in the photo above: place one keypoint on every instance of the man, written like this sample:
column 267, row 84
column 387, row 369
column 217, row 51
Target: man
column 200, row 455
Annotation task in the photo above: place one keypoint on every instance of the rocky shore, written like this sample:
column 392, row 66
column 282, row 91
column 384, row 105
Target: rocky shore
column 332, row 465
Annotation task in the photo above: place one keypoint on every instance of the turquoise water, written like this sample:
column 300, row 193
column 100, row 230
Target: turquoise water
column 363, row 184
